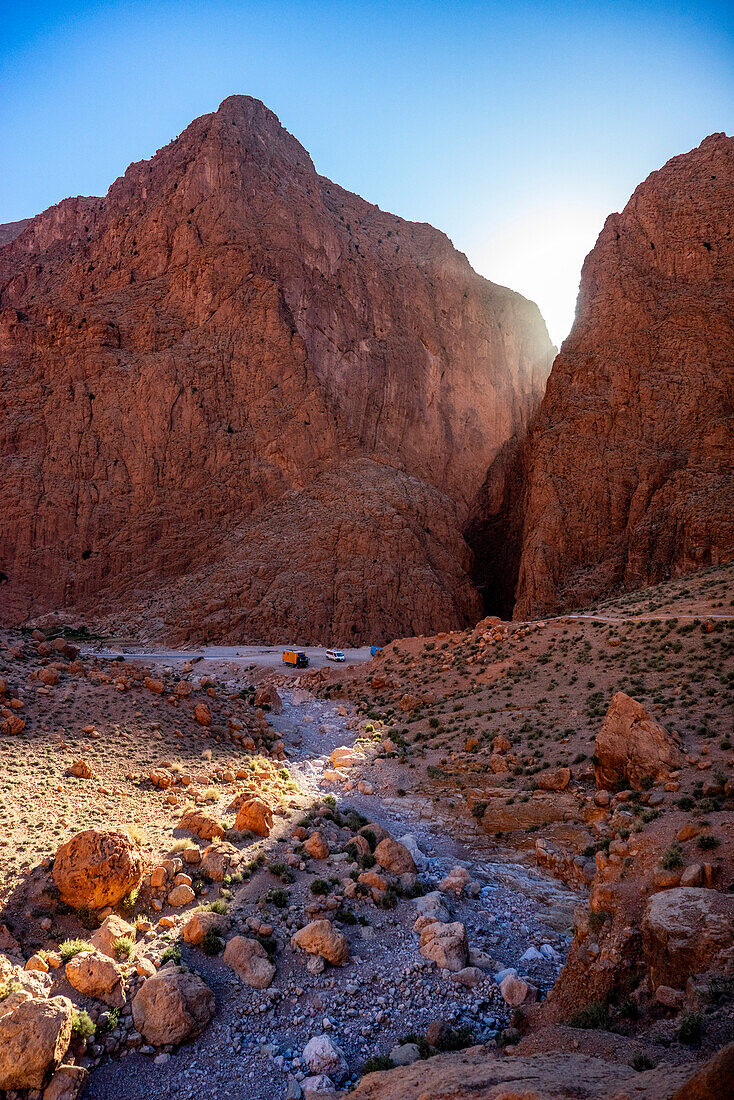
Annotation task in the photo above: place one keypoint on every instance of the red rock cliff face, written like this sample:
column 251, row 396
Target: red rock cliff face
column 628, row 470
column 238, row 401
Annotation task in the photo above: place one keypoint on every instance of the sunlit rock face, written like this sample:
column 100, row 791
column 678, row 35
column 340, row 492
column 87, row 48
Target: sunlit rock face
column 239, row 401
column 626, row 478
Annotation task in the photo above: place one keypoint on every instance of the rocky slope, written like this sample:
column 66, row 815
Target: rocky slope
column 626, row 477
column 227, row 331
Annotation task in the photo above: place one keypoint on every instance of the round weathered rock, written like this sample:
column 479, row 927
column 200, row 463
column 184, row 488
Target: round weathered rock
column 200, row 924
column 322, row 1055
column 174, row 1005
column 97, row 868
column 445, row 944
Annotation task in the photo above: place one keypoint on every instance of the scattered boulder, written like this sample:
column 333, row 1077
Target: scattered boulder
column 202, row 714
column 12, row 724
column 68, row 1083
column 692, row 875
column 405, row 1054
column 409, row 702
column 97, row 868
column 33, row 1040
column 556, row 780
column 455, row 881
column 267, row 696
column 346, row 757
column 173, row 1005
column 633, row 747
column 320, row 1087
column 469, row 976
column 112, row 929
column 201, row 824
column 181, row 895
column 201, row 923
column 375, row 831
column 320, row 937
column 419, row 858
column 394, row 857
column 445, row 944
column 433, row 907
column 97, row 975
column 516, row 992
column 322, row 1055
column 216, row 859
column 317, row 846
column 160, row 778
column 81, row 770
column 256, row 816
column 249, row 959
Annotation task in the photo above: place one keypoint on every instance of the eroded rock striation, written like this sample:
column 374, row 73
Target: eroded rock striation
column 625, row 479
column 240, row 402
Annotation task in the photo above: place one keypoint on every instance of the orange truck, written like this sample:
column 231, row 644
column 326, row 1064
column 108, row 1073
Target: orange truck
column 295, row 657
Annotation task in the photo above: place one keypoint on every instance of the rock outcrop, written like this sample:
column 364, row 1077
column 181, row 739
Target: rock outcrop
column 476, row 1074
column 687, row 931
column 239, row 401
column 33, row 1040
column 625, row 479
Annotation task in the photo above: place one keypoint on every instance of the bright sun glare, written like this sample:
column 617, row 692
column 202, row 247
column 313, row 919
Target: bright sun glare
column 540, row 254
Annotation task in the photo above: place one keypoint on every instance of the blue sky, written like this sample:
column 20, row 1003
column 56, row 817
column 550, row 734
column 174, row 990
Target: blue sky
column 515, row 128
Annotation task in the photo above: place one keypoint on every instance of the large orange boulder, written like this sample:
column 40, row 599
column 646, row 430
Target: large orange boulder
column 202, row 825
column 97, row 975
column 394, row 857
column 256, row 816
column 97, row 868
column 632, row 747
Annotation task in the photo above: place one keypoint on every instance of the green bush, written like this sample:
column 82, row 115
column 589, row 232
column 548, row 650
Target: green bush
column 70, row 948
column 212, row 943
column 690, row 1028
column 377, row 1063
column 672, row 858
column 123, row 947
column 171, row 954
column 319, row 887
column 594, row 1016
column 82, row 1025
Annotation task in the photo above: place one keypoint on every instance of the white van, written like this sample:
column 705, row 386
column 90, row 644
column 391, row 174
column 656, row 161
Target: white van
column 335, row 655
